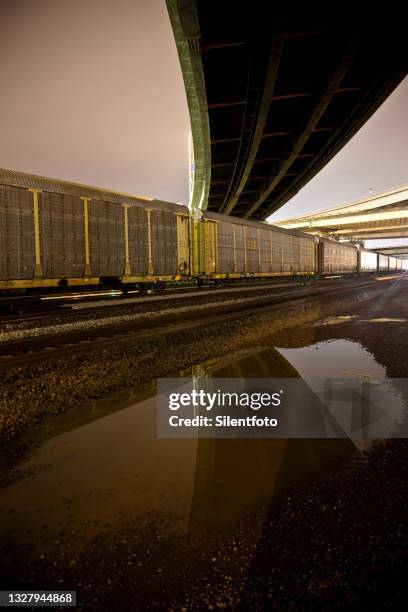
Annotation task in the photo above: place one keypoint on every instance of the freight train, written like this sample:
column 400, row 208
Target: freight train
column 58, row 234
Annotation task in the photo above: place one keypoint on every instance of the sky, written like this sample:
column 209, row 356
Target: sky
column 92, row 92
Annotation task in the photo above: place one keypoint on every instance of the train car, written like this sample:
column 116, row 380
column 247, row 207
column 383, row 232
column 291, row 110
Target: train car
column 55, row 233
column 336, row 258
column 229, row 247
column 368, row 261
column 383, row 263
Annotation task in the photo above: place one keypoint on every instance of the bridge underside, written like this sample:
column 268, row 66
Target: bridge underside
column 281, row 94
column 383, row 218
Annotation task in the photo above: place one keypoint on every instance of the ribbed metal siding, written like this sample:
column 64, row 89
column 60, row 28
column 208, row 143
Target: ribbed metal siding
column 265, row 254
column 62, row 235
column 368, row 261
column 138, row 240
column 287, row 253
column 382, row 262
column 164, row 242
column 239, row 249
column 106, row 238
column 295, row 254
column 277, row 253
column 17, row 259
column 267, row 250
column 307, row 255
column 225, row 244
column 339, row 258
column 41, row 183
column 252, row 247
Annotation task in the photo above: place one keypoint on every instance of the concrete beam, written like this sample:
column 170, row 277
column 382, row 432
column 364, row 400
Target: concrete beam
column 380, row 235
column 322, row 105
column 347, row 220
column 397, row 197
column 275, row 54
column 378, row 228
column 186, row 30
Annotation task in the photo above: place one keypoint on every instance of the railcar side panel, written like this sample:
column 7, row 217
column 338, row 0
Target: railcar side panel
column 383, row 263
column 138, row 240
column 286, row 253
column 106, row 238
column 307, row 255
column 295, row 254
column 225, row 248
column 17, row 260
column 61, row 235
column 303, row 259
column 183, row 245
column 239, row 249
column 164, row 243
column 265, row 253
column 210, row 250
column 336, row 258
column 368, row 261
column 277, row 252
column 252, row 250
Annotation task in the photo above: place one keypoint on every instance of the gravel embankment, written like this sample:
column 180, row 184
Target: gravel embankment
column 55, row 385
column 88, row 314
column 8, row 335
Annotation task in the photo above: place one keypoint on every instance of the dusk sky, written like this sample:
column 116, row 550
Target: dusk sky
column 92, row 92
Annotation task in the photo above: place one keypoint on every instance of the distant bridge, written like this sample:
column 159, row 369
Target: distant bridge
column 379, row 217
column 273, row 97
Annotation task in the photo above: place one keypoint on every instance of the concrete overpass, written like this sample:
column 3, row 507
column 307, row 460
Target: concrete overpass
column 382, row 216
column 273, row 96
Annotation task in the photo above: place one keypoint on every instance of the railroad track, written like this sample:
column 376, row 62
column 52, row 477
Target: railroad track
column 23, row 351
column 69, row 308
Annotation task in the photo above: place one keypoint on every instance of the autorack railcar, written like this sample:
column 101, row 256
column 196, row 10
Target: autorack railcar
column 55, row 233
column 336, row 258
column 368, row 261
column 383, row 263
column 230, row 247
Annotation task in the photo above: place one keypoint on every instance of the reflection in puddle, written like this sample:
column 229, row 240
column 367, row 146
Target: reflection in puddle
column 334, row 359
column 339, row 359
column 383, row 320
column 337, row 320
column 102, row 465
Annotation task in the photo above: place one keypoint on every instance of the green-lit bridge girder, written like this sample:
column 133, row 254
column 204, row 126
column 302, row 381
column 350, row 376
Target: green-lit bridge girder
column 186, row 30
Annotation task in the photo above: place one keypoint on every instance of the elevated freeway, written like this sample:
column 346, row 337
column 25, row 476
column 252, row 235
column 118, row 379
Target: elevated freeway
column 273, row 96
column 380, row 217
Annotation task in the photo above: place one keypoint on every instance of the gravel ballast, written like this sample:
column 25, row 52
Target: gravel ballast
column 55, row 385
